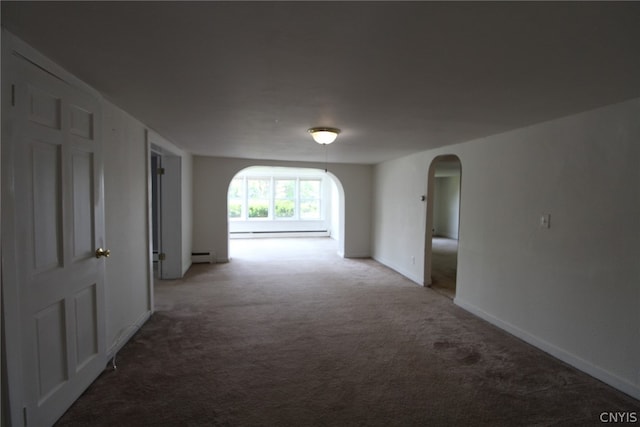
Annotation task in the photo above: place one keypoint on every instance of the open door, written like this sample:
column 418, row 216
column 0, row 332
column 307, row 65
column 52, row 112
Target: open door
column 156, row 236
column 53, row 242
column 166, row 214
column 171, row 217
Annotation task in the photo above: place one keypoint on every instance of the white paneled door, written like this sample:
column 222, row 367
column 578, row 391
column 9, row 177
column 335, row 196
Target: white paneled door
column 59, row 226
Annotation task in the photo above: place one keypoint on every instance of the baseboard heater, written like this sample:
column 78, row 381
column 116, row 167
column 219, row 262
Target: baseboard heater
column 279, row 232
column 203, row 257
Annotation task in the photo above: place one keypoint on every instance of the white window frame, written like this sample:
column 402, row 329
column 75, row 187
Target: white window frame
column 244, row 201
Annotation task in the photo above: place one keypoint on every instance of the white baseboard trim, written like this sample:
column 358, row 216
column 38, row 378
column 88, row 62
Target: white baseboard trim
column 555, row 351
column 126, row 334
column 355, row 255
column 188, row 266
column 397, row 269
column 447, row 236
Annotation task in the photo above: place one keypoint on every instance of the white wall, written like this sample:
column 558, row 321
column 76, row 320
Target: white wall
column 187, row 210
column 125, row 189
column 335, row 211
column 212, row 176
column 399, row 225
column 128, row 282
column 573, row 289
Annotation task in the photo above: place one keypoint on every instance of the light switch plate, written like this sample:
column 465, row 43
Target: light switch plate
column 545, row 221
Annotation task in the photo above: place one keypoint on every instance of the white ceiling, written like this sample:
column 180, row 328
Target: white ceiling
column 246, row 79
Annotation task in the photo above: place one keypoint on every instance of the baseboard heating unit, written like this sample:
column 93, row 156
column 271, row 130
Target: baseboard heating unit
column 203, row 257
column 267, row 234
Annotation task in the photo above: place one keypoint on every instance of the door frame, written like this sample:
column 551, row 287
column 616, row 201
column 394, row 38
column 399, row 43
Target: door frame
column 155, row 204
column 431, row 183
column 170, row 210
column 11, row 339
column 14, row 50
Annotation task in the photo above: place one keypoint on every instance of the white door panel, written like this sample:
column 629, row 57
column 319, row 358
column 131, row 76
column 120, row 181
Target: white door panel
column 171, row 218
column 59, row 224
column 45, row 205
column 82, row 190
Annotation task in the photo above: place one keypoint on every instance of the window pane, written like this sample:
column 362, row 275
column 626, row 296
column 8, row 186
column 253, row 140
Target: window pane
column 285, row 208
column 258, row 188
column 309, row 189
column 258, row 192
column 310, row 209
column 235, row 188
column 285, row 198
column 258, row 208
column 310, row 199
column 285, row 189
column 235, row 209
column 235, row 197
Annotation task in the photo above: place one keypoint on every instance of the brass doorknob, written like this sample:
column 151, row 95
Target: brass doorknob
column 102, row 252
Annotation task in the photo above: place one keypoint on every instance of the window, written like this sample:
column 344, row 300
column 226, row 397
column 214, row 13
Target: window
column 309, row 199
column 236, row 198
column 285, row 198
column 259, row 191
column 275, row 198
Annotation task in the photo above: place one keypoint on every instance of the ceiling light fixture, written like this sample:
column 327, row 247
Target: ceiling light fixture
column 324, row 136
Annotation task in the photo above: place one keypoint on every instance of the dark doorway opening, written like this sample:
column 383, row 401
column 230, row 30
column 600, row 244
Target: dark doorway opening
column 443, row 220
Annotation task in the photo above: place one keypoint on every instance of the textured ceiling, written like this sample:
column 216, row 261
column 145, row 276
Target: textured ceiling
column 246, row 79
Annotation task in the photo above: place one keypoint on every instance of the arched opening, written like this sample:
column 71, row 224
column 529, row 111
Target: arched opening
column 285, row 202
column 443, row 220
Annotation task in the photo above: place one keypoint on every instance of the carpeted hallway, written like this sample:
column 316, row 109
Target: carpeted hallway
column 289, row 334
column 444, row 263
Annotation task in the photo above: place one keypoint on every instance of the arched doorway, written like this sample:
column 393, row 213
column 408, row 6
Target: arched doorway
column 443, row 219
column 279, row 202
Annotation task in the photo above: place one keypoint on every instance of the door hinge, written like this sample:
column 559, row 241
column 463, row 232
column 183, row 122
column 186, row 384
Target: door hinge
column 160, row 171
column 162, row 256
column 24, row 416
column 13, row 95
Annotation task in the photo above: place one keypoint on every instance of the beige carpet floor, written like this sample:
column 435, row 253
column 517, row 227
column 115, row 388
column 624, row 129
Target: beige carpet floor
column 444, row 265
column 289, row 334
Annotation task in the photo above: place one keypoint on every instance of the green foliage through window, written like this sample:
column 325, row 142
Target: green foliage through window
column 235, row 210
column 285, row 208
column 259, row 210
column 290, row 198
